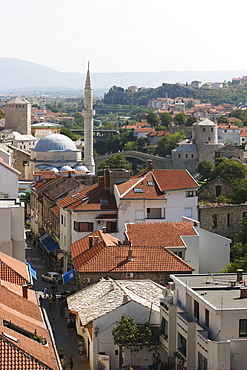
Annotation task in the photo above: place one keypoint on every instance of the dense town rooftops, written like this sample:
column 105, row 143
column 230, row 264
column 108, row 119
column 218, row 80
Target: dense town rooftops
column 105, row 254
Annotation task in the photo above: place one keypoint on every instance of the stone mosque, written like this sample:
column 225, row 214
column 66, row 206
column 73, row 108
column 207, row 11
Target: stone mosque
column 55, row 152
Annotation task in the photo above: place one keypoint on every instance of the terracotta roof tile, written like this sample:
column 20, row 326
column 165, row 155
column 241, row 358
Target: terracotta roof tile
column 13, row 270
column 107, row 255
column 55, row 210
column 162, row 180
column 89, row 199
column 23, row 313
column 166, row 234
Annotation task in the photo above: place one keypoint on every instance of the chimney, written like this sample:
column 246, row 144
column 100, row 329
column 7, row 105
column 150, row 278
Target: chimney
column 100, row 180
column 130, row 257
column 125, row 298
column 239, row 275
column 96, row 240
column 243, row 292
column 149, row 165
column 107, row 177
column 90, row 240
column 24, row 291
column 104, row 229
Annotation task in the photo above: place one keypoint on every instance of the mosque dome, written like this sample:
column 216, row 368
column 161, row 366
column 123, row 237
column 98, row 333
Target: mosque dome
column 81, row 168
column 55, row 142
column 65, row 168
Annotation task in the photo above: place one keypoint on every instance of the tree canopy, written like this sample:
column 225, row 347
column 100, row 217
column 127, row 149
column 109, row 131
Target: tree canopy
column 230, row 170
column 167, row 143
column 115, row 161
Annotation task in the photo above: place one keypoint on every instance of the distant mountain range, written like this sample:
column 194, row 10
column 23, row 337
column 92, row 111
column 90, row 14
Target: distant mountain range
column 17, row 74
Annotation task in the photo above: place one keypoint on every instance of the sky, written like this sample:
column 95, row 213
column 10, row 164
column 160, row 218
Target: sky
column 126, row 35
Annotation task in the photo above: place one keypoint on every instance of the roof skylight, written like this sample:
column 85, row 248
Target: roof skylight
column 138, row 190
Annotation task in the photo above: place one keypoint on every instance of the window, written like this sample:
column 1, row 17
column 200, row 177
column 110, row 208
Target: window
column 207, row 318
column 163, row 329
column 179, row 155
column 217, row 190
column 186, row 155
column 196, row 310
column 203, row 129
column 83, row 226
column 190, row 193
column 103, row 201
column 243, row 327
column 181, row 344
column 138, row 190
column 111, row 226
column 214, row 221
column 209, row 138
column 150, row 183
column 62, row 219
column 202, row 362
column 212, row 129
column 188, row 212
column 192, row 155
column 229, row 219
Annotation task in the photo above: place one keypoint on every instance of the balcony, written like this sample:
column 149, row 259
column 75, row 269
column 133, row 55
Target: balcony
column 155, row 213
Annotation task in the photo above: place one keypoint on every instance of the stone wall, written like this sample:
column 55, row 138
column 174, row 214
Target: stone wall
column 222, row 219
column 20, row 162
column 213, row 189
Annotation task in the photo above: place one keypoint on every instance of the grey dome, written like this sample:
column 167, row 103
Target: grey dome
column 55, row 142
column 65, row 168
column 81, row 168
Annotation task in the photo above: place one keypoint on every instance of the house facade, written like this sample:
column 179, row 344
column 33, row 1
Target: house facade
column 204, row 321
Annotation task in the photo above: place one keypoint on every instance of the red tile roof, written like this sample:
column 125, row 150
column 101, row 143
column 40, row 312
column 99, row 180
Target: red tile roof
column 111, row 257
column 165, row 234
column 13, row 270
column 163, row 180
column 55, row 210
column 15, row 347
column 89, row 199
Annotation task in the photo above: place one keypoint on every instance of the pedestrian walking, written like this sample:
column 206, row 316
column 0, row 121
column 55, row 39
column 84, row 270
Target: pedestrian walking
column 45, row 291
column 71, row 362
column 64, row 363
column 40, row 300
column 50, row 302
column 53, row 324
column 54, row 298
column 60, row 354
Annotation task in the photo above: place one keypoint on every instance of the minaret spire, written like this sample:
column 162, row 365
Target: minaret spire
column 88, row 114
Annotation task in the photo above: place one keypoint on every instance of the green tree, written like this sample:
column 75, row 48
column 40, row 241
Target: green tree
column 115, row 161
column 167, row 143
column 229, row 169
column 128, row 334
column 240, row 191
column 153, row 119
column 180, row 119
column 78, row 120
column 166, row 119
column 204, row 168
column 191, row 120
column 66, row 131
column 223, row 119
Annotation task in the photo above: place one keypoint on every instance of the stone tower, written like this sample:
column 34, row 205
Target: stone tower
column 205, row 136
column 88, row 114
column 18, row 115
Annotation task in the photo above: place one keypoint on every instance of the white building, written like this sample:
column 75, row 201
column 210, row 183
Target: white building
column 12, row 235
column 228, row 132
column 99, row 308
column 204, row 321
column 203, row 250
column 24, row 142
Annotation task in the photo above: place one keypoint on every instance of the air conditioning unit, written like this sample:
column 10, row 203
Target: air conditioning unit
column 86, row 280
column 129, row 274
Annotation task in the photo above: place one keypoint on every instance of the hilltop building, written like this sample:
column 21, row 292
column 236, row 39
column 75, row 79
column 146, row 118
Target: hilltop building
column 18, row 115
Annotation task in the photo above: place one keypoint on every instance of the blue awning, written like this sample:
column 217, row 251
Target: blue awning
column 48, row 243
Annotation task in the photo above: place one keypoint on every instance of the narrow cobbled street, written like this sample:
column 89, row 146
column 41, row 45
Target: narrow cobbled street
column 66, row 339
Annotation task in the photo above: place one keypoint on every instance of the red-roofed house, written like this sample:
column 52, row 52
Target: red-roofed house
column 228, row 132
column 203, row 250
column 100, row 255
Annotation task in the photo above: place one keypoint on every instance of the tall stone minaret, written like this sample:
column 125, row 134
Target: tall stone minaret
column 88, row 114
